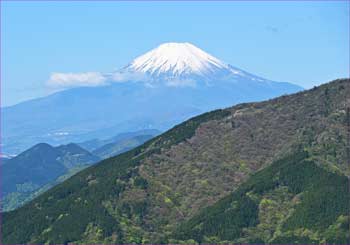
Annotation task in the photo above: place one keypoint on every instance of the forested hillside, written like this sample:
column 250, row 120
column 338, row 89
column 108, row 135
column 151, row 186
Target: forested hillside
column 291, row 201
column 277, row 168
column 39, row 168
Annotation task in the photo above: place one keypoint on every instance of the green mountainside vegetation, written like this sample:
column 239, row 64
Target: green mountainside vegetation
column 39, row 168
column 291, row 201
column 43, row 166
column 268, row 172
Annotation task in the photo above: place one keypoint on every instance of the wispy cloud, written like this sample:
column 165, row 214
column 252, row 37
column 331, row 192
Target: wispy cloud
column 70, row 80
column 61, row 81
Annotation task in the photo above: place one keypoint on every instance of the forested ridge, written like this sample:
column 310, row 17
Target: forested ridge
column 291, row 201
column 268, row 172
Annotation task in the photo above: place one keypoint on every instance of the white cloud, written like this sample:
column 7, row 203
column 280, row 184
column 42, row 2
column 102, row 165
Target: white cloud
column 70, row 80
column 61, row 81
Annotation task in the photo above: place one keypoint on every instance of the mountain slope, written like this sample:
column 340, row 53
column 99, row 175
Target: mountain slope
column 177, row 58
column 157, row 90
column 113, row 149
column 291, row 201
column 36, row 167
column 142, row 195
column 94, row 144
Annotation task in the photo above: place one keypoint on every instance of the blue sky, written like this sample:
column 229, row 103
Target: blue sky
column 306, row 43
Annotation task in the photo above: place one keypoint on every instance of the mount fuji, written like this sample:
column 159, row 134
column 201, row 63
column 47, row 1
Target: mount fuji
column 157, row 90
column 183, row 65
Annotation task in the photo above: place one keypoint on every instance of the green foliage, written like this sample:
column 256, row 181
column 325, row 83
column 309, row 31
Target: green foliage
column 140, row 195
column 187, row 129
column 325, row 196
column 81, row 197
column 140, row 182
column 338, row 233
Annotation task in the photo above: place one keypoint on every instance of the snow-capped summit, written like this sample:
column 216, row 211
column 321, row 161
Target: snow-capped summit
column 177, row 59
column 182, row 65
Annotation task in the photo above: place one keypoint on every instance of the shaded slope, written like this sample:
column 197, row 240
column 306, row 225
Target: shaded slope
column 36, row 167
column 39, row 163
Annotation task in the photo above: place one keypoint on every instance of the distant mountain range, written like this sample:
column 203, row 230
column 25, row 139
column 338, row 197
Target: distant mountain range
column 42, row 166
column 157, row 90
column 272, row 172
column 96, row 144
